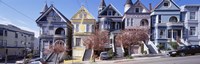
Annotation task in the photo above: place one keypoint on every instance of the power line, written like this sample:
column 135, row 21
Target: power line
column 16, row 10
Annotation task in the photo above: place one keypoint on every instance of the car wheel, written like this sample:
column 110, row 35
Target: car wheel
column 182, row 54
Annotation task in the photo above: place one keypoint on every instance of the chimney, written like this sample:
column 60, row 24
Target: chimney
column 150, row 7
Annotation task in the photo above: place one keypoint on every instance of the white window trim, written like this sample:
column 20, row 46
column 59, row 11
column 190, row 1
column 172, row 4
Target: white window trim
column 195, row 15
column 164, row 34
column 195, row 31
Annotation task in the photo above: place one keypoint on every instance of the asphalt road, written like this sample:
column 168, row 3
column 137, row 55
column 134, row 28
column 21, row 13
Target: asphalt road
column 195, row 59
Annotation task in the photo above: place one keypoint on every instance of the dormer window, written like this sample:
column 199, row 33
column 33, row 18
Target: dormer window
column 110, row 13
column 137, row 10
column 166, row 3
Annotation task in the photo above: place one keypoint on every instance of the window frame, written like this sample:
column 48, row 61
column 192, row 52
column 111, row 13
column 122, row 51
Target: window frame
column 137, row 10
column 192, row 31
column 192, row 16
column 78, row 43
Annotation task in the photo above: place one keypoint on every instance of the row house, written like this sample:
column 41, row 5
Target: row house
column 136, row 15
column 54, row 26
column 110, row 19
column 84, row 24
column 191, row 18
column 167, row 24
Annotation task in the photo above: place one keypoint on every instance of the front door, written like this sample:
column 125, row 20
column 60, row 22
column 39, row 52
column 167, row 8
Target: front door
column 175, row 34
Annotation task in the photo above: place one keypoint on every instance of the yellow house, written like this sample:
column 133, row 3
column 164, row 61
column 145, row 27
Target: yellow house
column 84, row 24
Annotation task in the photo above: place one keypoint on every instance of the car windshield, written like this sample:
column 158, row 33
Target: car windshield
column 104, row 53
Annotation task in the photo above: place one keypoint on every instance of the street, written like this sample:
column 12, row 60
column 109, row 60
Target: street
column 195, row 59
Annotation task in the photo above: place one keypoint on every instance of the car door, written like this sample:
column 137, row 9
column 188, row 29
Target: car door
column 194, row 48
column 198, row 48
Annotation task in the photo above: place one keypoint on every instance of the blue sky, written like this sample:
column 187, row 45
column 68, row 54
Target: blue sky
column 31, row 8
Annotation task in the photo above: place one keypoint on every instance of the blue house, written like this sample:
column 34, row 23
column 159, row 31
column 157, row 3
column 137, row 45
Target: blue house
column 167, row 25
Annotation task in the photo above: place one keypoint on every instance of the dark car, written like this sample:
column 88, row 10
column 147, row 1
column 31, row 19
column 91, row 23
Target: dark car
column 185, row 50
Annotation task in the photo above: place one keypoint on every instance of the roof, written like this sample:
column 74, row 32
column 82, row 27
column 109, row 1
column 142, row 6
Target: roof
column 102, row 4
column 57, row 12
column 163, row 1
column 80, row 10
column 115, row 9
column 45, row 8
column 138, row 2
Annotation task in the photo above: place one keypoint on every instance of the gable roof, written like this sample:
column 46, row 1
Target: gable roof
column 138, row 3
column 115, row 9
column 86, row 11
column 52, row 8
column 160, row 4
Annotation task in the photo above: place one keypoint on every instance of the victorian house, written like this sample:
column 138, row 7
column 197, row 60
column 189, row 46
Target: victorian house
column 191, row 18
column 84, row 24
column 110, row 19
column 54, row 26
column 135, row 16
column 167, row 24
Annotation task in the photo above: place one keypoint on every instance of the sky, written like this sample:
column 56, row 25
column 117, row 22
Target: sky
column 27, row 11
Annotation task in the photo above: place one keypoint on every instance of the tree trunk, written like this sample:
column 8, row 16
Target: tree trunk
column 56, row 58
column 129, row 50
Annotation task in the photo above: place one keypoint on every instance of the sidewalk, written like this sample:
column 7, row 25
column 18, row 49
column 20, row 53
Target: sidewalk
column 118, row 60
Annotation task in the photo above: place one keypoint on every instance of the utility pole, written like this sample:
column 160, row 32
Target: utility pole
column 5, row 46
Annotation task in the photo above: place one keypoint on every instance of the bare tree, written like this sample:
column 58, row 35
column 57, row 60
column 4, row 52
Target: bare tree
column 58, row 48
column 97, row 41
column 128, row 38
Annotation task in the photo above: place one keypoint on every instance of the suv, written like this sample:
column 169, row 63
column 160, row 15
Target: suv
column 104, row 56
column 184, row 50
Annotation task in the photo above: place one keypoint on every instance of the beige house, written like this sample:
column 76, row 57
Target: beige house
column 83, row 23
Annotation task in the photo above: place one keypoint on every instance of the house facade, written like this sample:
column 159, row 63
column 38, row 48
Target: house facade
column 84, row 24
column 166, row 24
column 136, row 15
column 110, row 19
column 191, row 18
column 18, row 42
column 54, row 26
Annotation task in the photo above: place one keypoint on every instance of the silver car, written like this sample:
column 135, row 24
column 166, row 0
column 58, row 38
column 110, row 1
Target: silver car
column 104, row 56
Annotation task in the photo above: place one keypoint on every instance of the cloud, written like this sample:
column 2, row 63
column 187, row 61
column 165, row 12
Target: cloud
column 6, row 21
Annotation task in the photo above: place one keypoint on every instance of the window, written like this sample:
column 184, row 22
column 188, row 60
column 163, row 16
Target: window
column 166, row 3
column 1, row 32
column 131, row 22
column 144, row 22
column 77, row 27
column 127, row 22
column 5, row 33
column 169, row 34
column 137, row 10
column 173, row 19
column 109, row 13
column 87, row 27
column 82, row 15
column 192, row 31
column 192, row 15
column 16, row 35
column 78, row 41
column 159, row 18
column 162, row 33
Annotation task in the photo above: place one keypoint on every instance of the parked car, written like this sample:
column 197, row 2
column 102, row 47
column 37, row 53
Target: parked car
column 1, row 57
column 104, row 56
column 185, row 50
